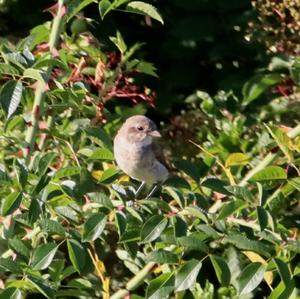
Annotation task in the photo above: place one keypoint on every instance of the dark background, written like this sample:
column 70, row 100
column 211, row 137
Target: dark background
column 201, row 46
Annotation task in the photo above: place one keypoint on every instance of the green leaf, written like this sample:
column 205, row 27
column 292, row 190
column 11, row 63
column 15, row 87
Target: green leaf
column 295, row 182
column 186, row 276
column 257, row 85
column 11, row 203
column 11, row 293
column 109, row 175
column 43, row 256
column 147, row 68
column 119, row 42
column 262, row 216
column 216, row 185
column 19, row 247
column 101, row 198
column 163, row 257
column 76, row 6
column 241, row 192
column 160, row 287
column 52, row 227
column 244, row 243
column 145, row 9
column 282, row 140
column 77, row 254
column 50, row 63
column 284, row 271
column 104, row 7
column 282, row 291
column 221, row 269
column 102, row 154
column 93, row 227
column 35, row 74
column 7, row 69
column 269, row 173
column 153, row 228
column 236, row 159
column 10, row 97
column 67, row 172
column 41, row 286
column 250, row 278
column 44, row 162
column 192, row 169
column 193, row 242
column 231, row 207
column 15, row 99
column 9, row 265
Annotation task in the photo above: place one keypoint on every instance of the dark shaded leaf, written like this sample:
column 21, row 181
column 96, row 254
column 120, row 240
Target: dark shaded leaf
column 187, row 274
column 93, row 227
column 153, row 228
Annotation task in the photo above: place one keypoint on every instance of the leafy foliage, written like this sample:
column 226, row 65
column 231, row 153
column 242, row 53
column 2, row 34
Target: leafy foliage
column 224, row 226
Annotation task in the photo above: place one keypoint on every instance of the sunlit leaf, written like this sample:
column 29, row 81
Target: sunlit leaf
column 144, row 9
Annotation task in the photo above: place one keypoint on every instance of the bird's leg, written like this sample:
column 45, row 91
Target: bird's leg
column 140, row 188
column 154, row 189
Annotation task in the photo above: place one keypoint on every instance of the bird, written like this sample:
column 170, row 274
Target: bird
column 134, row 153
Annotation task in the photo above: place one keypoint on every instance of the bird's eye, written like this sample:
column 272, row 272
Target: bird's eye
column 140, row 128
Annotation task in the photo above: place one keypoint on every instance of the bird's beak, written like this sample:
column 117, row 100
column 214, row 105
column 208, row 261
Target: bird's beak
column 154, row 133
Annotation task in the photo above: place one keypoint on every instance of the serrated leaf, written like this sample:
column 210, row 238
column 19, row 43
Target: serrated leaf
column 41, row 286
column 147, row 68
column 257, row 85
column 9, row 265
column 11, row 293
column 19, row 247
column 52, row 227
column 119, row 42
column 93, row 227
column 160, row 287
column 269, row 173
column 43, row 256
column 295, row 182
column 15, row 99
column 250, row 278
column 163, row 257
column 11, row 203
column 7, row 69
column 230, row 208
column 35, row 74
column 236, row 159
column 282, row 140
column 153, row 228
column 144, row 9
column 193, row 242
column 44, row 162
column 104, row 7
column 221, row 269
column 77, row 254
column 51, row 63
column 187, row 274
column 216, row 185
column 102, row 154
column 76, row 6
column 67, row 172
column 240, row 192
column 109, row 175
column 244, row 243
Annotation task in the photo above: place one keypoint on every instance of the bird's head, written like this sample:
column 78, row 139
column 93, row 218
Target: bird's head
column 139, row 128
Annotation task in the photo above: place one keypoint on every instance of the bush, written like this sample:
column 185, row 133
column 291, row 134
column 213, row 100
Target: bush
column 225, row 225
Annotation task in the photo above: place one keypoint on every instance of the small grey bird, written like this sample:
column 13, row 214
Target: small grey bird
column 133, row 150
